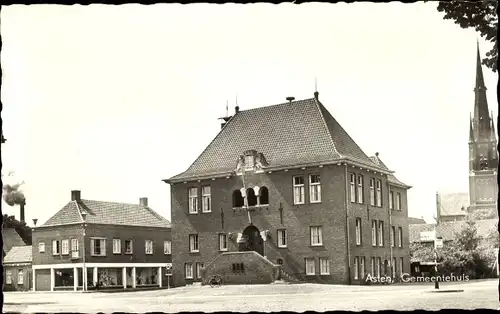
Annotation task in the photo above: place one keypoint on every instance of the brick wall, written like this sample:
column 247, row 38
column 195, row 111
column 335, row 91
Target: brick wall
column 14, row 285
column 297, row 219
column 138, row 234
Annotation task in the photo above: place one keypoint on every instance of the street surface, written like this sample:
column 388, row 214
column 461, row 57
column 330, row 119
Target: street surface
column 263, row 298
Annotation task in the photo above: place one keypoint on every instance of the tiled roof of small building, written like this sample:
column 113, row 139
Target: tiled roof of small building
column 288, row 134
column 453, row 204
column 99, row 212
column 18, row 254
column 10, row 239
column 415, row 221
column 447, row 230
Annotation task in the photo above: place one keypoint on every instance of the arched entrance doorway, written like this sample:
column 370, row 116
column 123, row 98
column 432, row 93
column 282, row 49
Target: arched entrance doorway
column 252, row 241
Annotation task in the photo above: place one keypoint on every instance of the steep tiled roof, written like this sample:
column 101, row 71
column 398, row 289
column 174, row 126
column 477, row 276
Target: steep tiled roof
column 19, row 254
column 100, row 212
column 447, row 230
column 10, row 239
column 391, row 177
column 288, row 134
column 415, row 221
column 452, row 203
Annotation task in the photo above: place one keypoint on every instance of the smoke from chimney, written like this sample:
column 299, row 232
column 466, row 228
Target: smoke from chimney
column 12, row 195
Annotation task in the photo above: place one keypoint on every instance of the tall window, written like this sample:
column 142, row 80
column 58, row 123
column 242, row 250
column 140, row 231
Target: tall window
column 8, row 276
column 282, row 238
column 372, row 266
column 117, row 246
column 363, row 270
column 314, row 188
column 398, row 201
column 41, row 247
column 400, row 237
column 316, row 236
column 238, row 200
column 393, row 235
column 188, row 270
column 372, row 191
column 148, row 246
column 98, row 246
column 358, row 231
column 65, row 247
column 379, row 193
column 199, row 266
column 74, row 246
column 298, row 190
column 374, row 232
column 193, row 243
column 56, row 247
column 391, row 200
column 401, row 262
column 167, row 247
column 249, row 162
column 356, row 268
column 193, row 200
column 222, row 242
column 206, row 199
column 310, row 266
column 353, row 188
column 129, row 247
column 380, row 233
column 360, row 190
column 379, row 264
column 20, row 277
column 264, row 196
column 324, row 266
column 394, row 267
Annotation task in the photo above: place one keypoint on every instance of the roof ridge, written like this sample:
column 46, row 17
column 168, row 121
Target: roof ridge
column 279, row 104
column 318, row 103
column 78, row 209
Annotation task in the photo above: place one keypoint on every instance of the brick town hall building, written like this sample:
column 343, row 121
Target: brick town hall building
column 286, row 185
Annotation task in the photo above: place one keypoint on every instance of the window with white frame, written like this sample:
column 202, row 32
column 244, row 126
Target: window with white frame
column 362, row 268
column 380, row 233
column 372, row 191
column 65, row 247
column 98, row 246
column 193, row 243
column 117, row 246
column 56, row 247
column 398, row 201
column 391, row 200
column 378, row 195
column 20, row 277
column 379, row 265
column 394, row 267
column 401, row 262
column 206, row 199
column 372, row 266
column 360, row 189
column 298, row 190
column 148, row 246
column 400, row 237
column 314, row 188
column 199, row 266
column 167, row 247
column 356, row 268
column 310, row 266
column 222, row 242
column 8, row 277
column 188, row 270
column 74, row 246
column 393, row 236
column 358, row 231
column 324, row 266
column 282, row 238
column 316, row 236
column 353, row 188
column 129, row 246
column 249, row 162
column 193, row 200
column 41, row 247
column 374, row 232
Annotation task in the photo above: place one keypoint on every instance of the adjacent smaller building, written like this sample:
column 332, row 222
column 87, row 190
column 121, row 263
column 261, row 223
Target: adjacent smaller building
column 101, row 245
column 17, row 269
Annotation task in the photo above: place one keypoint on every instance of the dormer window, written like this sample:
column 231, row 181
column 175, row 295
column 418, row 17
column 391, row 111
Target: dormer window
column 249, row 162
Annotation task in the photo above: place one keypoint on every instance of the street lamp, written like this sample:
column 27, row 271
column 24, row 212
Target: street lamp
column 84, row 269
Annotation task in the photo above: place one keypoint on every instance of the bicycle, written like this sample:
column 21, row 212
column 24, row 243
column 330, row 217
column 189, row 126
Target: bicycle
column 215, row 281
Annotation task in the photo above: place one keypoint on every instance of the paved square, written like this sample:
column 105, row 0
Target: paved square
column 264, row 298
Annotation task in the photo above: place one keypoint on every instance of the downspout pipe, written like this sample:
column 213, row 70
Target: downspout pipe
column 393, row 238
column 346, row 203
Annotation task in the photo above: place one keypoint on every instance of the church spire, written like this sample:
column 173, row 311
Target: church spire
column 481, row 113
column 471, row 131
column 479, row 71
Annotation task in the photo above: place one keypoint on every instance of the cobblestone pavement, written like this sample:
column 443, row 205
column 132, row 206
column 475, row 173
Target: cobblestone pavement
column 263, row 298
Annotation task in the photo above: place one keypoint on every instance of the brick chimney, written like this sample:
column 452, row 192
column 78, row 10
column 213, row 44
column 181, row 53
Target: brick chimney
column 75, row 195
column 143, row 201
column 21, row 208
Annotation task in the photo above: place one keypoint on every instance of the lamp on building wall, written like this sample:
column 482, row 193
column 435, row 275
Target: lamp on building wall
column 84, row 269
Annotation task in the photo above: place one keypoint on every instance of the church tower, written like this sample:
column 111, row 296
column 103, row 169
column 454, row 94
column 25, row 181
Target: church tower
column 483, row 155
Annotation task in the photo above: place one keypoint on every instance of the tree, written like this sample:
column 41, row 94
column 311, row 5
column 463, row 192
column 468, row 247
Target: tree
column 481, row 16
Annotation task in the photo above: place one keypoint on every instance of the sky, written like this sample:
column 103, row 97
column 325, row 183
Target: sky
column 110, row 100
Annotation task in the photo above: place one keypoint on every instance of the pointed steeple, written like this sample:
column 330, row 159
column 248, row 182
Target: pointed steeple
column 479, row 72
column 471, row 132
column 481, row 123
